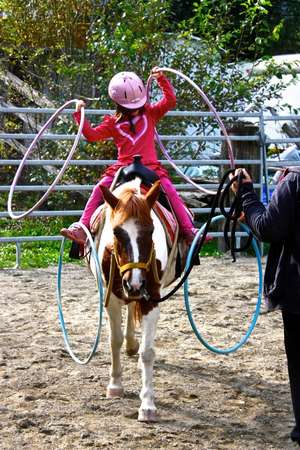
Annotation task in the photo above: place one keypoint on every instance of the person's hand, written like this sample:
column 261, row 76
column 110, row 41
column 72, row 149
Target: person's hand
column 79, row 104
column 245, row 178
column 156, row 73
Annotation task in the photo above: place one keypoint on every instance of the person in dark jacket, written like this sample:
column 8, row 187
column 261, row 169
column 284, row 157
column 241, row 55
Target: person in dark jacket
column 279, row 224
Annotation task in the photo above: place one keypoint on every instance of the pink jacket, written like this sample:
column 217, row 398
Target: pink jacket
column 142, row 141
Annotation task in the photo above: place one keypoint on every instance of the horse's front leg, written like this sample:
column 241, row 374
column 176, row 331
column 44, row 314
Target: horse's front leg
column 132, row 344
column 147, row 411
column 114, row 311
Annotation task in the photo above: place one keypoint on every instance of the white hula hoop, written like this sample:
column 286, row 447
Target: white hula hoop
column 216, row 115
column 59, row 175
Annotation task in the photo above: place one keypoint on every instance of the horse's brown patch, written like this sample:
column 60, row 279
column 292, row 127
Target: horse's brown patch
column 117, row 288
column 130, row 206
column 143, row 307
column 106, row 263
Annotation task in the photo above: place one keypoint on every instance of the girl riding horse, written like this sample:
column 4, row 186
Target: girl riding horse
column 132, row 129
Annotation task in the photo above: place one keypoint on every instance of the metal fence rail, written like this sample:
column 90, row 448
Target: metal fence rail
column 260, row 138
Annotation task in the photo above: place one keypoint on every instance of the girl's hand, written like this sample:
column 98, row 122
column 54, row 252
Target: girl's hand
column 80, row 104
column 156, row 73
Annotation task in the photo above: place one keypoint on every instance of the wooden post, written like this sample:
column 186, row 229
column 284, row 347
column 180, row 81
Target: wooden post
column 244, row 149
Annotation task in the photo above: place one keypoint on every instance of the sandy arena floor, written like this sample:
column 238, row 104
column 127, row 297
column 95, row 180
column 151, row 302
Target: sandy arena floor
column 205, row 401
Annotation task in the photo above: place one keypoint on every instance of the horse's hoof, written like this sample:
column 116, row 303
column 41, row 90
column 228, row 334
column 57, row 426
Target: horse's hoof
column 133, row 351
column 114, row 392
column 147, row 415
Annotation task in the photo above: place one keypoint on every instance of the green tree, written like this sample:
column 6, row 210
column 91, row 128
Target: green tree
column 73, row 48
column 288, row 13
column 238, row 29
column 182, row 9
column 66, row 48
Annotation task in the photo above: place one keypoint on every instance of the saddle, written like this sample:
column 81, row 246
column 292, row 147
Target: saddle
column 147, row 176
column 166, row 217
column 162, row 207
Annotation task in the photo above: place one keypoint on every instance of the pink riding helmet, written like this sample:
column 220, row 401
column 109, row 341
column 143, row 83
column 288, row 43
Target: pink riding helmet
column 128, row 90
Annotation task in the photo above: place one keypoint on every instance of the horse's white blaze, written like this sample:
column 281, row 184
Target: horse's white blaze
column 132, row 230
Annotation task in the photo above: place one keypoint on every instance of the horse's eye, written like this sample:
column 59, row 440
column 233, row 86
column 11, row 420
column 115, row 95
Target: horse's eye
column 147, row 230
column 117, row 232
column 121, row 235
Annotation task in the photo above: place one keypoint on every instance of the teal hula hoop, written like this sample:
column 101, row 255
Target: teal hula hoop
column 255, row 315
column 59, row 301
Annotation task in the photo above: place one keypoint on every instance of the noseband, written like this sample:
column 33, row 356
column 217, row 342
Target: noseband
column 134, row 265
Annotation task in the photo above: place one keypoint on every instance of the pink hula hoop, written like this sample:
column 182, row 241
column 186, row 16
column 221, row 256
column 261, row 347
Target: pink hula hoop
column 217, row 117
column 28, row 151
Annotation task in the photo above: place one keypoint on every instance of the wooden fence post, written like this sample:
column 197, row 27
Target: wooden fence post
column 244, row 149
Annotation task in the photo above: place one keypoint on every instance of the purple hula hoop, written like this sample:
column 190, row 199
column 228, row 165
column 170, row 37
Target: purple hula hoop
column 217, row 117
column 28, row 151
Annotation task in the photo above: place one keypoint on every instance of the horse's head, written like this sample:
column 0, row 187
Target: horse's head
column 132, row 229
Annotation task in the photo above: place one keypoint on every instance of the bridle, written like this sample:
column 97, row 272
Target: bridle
column 149, row 265
column 133, row 265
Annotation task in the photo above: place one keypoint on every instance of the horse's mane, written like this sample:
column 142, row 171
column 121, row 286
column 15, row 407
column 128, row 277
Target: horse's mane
column 132, row 205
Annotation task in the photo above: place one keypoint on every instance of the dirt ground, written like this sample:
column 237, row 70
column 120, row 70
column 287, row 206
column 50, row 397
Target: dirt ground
column 205, row 401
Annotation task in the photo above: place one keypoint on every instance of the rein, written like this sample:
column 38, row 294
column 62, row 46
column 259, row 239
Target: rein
column 231, row 216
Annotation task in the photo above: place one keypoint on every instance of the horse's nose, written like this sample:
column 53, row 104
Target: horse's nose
column 134, row 284
column 127, row 286
column 137, row 280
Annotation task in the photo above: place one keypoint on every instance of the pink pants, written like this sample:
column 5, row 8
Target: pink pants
column 182, row 215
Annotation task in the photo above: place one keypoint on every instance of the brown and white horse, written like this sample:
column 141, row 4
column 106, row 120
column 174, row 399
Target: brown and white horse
column 134, row 255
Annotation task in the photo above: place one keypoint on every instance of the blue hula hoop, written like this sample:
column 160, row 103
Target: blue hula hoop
column 258, row 304
column 59, row 302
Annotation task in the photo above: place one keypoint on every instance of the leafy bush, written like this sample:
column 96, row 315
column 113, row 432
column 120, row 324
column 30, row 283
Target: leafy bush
column 33, row 254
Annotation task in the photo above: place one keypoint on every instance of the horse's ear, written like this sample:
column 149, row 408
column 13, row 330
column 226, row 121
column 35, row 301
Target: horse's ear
column 152, row 194
column 109, row 197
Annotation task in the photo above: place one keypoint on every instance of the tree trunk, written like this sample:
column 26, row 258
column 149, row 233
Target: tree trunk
column 23, row 88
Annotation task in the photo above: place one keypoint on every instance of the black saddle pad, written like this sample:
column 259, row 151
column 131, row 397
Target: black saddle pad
column 147, row 176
